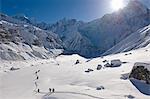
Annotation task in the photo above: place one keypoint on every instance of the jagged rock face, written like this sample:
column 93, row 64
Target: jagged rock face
column 9, row 19
column 138, row 39
column 106, row 32
column 140, row 73
column 22, row 18
column 94, row 38
column 29, row 34
column 9, row 35
column 19, row 40
column 73, row 41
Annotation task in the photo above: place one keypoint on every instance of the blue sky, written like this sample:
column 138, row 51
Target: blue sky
column 52, row 10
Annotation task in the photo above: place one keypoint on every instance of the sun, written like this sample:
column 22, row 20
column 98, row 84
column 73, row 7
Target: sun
column 117, row 4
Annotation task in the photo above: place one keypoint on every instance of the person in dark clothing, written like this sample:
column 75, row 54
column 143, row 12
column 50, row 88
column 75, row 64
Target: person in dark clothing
column 36, row 84
column 77, row 62
column 37, row 77
column 38, row 90
column 50, row 90
column 38, row 71
column 53, row 90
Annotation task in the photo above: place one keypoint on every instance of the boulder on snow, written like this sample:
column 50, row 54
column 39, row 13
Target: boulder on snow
column 129, row 96
column 124, row 76
column 128, row 54
column 113, row 63
column 104, row 61
column 13, row 68
column 146, row 50
column 88, row 60
column 125, row 54
column 141, row 71
column 116, row 63
column 89, row 70
column 99, row 67
column 100, row 88
column 107, row 65
column 124, row 62
column 77, row 62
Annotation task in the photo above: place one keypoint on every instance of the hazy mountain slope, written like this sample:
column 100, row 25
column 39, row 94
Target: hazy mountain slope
column 20, row 40
column 101, row 34
column 138, row 39
column 72, row 39
column 112, row 28
column 9, row 19
column 96, row 37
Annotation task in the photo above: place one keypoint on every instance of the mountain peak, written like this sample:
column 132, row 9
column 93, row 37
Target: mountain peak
column 135, row 8
column 65, row 20
column 136, row 4
column 22, row 17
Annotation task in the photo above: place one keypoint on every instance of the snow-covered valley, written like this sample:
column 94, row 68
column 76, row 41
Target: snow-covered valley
column 67, row 59
column 70, row 80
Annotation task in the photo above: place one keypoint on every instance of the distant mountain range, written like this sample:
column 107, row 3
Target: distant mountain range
column 20, row 40
column 120, row 31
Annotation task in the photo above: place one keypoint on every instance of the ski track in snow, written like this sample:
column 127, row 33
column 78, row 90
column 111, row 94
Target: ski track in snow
column 67, row 92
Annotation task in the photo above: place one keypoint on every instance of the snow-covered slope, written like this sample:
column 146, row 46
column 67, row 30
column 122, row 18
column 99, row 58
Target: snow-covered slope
column 72, row 39
column 138, row 39
column 107, row 31
column 22, row 18
column 94, row 38
column 9, row 19
column 70, row 80
column 19, row 40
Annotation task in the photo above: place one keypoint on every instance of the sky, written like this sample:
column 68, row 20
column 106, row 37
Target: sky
column 51, row 11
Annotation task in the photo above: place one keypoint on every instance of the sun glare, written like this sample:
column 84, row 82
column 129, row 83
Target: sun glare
column 117, row 4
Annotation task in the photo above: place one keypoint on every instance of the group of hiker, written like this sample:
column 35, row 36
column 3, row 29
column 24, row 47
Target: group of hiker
column 37, row 77
column 37, row 71
column 50, row 90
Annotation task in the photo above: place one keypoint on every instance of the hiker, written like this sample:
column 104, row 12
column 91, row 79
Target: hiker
column 38, row 71
column 49, row 89
column 37, row 77
column 36, row 84
column 53, row 90
column 38, row 90
column 77, row 62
